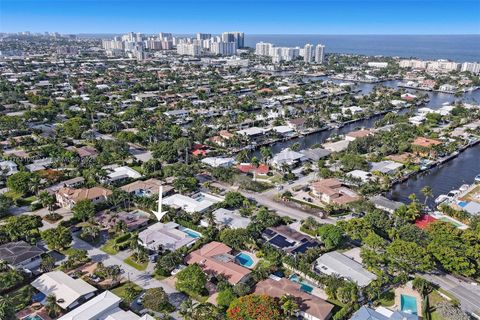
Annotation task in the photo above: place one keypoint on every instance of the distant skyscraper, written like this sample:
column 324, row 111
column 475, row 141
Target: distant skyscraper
column 263, row 48
column 165, row 36
column 223, row 48
column 308, row 53
column 203, row 36
column 319, row 53
column 237, row 37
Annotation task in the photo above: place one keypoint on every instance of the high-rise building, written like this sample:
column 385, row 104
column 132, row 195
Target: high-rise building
column 189, row 49
column 471, row 67
column 165, row 36
column 223, row 48
column 319, row 53
column 263, row 48
column 237, row 37
column 308, row 53
column 203, row 36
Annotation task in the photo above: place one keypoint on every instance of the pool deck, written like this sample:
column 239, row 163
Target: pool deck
column 409, row 291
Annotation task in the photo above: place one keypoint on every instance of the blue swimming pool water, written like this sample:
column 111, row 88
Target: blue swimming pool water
column 462, row 204
column 303, row 286
column 33, row 317
column 408, row 304
column 244, row 259
column 191, row 233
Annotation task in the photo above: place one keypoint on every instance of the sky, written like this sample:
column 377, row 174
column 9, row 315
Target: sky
column 249, row 16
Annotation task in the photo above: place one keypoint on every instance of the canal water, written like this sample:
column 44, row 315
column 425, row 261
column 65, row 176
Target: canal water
column 448, row 176
column 441, row 179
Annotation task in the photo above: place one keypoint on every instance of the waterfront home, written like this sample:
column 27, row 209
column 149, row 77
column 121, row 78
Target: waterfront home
column 386, row 167
column 353, row 135
column 404, row 158
column 289, row 240
column 288, row 158
column 315, row 154
column 385, row 204
column 425, row 146
column 363, row 176
column 215, row 258
column 68, row 197
column 336, row 263
column 21, row 255
column 297, row 124
column 146, row 188
column 252, row 132
column 69, row 292
column 199, row 202
column 285, row 131
column 106, row 306
column 337, row 146
column 331, row 191
column 168, row 236
column 228, row 218
column 351, row 110
column 260, row 170
column 310, row 306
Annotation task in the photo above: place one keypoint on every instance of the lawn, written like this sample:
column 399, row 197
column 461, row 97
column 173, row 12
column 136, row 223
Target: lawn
column 19, row 199
column 138, row 266
column 387, row 299
column 120, row 290
column 337, row 305
column 109, row 247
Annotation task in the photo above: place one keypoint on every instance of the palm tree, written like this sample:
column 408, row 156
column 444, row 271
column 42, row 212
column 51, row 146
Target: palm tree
column 48, row 263
column 427, row 193
column 47, row 200
column 289, row 305
column 186, row 308
column 51, row 305
column 4, row 266
column 210, row 217
column 7, row 309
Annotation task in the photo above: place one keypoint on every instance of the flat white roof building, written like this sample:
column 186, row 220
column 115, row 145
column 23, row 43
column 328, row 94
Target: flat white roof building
column 166, row 236
column 105, row 306
column 197, row 203
column 228, row 218
column 68, row 291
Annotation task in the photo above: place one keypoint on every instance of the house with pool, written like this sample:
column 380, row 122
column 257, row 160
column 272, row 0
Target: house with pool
column 289, row 240
column 216, row 258
column 167, row 236
column 381, row 313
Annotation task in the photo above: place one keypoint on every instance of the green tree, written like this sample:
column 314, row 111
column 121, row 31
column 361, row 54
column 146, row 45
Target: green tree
column 234, row 199
column 21, row 182
column 289, row 305
column 48, row 263
column 167, row 262
column 7, row 308
column 5, row 205
column 331, row 235
column 409, row 257
column 57, row 238
column 225, row 297
column 192, row 279
column 83, row 210
column 52, row 307
column 427, row 193
column 156, row 299
column 235, row 238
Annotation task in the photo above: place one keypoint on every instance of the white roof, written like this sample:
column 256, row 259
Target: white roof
column 385, row 166
column 230, row 218
column 364, row 175
column 63, row 287
column 251, row 131
column 337, row 263
column 167, row 236
column 124, row 171
column 282, row 129
column 336, row 146
column 287, row 156
column 198, row 203
column 103, row 307
column 218, row 161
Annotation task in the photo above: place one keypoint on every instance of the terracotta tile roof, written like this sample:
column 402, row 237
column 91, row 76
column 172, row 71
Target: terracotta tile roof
column 81, row 194
column 215, row 258
column 425, row 142
column 248, row 167
column 307, row 303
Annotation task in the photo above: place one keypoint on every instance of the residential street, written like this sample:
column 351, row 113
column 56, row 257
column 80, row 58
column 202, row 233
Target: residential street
column 467, row 294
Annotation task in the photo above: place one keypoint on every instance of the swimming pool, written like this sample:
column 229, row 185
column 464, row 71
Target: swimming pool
column 244, row 259
column 33, row 317
column 408, row 304
column 303, row 285
column 191, row 233
column 463, row 204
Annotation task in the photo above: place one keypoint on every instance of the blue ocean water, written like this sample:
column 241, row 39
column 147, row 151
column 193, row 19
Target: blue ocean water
column 453, row 47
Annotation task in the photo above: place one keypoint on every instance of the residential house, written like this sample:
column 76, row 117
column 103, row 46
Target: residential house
column 336, row 263
column 337, row 146
column 69, row 292
column 199, row 202
column 297, row 124
column 8, row 167
column 310, row 307
column 386, row 167
column 105, row 306
column 288, row 239
column 228, row 218
column 68, row 197
column 166, row 236
column 215, row 258
column 119, row 173
column 353, row 135
column 331, row 191
column 146, row 188
column 216, row 162
column 287, row 158
column 260, row 170
column 381, row 313
column 85, row 151
column 385, row 204
column 315, row 154
column 21, row 255
column 424, row 146
column 133, row 220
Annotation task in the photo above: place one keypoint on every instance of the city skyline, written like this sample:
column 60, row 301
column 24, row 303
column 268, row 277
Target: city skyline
column 259, row 17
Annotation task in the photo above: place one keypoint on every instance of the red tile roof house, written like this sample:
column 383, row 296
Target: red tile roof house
column 331, row 191
column 68, row 197
column 425, row 146
column 261, row 170
column 311, row 307
column 351, row 136
column 215, row 258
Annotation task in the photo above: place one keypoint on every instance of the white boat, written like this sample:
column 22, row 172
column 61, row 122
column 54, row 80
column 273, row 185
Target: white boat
column 441, row 198
column 464, row 187
column 477, row 178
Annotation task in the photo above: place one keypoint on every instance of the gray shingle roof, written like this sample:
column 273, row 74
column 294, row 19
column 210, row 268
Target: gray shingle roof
column 17, row 252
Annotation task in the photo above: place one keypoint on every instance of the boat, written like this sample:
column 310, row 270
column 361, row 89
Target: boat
column 441, row 198
column 464, row 187
column 477, row 178
column 453, row 193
